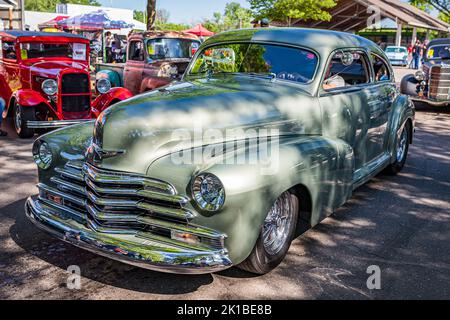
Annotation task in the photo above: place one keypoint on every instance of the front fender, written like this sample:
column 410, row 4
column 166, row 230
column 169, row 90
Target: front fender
column 324, row 167
column 114, row 95
column 26, row 98
column 402, row 110
column 113, row 76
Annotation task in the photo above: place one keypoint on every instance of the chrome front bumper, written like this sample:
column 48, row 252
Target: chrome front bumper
column 130, row 249
column 435, row 103
column 54, row 124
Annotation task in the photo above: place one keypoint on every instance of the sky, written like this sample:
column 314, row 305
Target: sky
column 181, row 11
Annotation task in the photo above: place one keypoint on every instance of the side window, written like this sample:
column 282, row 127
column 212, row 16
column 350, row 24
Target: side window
column 346, row 69
column 136, row 51
column 9, row 50
column 381, row 69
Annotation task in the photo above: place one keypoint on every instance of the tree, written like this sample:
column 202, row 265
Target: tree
column 139, row 16
column 50, row 5
column 289, row 10
column 151, row 14
column 162, row 16
column 443, row 6
column 234, row 17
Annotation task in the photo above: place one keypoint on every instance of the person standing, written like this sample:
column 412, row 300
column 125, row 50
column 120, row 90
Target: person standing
column 417, row 51
column 2, row 108
column 108, row 46
column 410, row 56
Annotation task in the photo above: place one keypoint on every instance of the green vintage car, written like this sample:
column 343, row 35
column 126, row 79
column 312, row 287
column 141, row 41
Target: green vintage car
column 269, row 131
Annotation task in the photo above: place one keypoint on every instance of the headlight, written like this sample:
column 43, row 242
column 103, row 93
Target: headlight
column 42, row 154
column 50, row 87
column 420, row 75
column 103, row 85
column 208, row 192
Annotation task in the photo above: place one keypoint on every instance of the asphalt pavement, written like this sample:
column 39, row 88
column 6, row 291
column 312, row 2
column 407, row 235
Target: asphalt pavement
column 400, row 224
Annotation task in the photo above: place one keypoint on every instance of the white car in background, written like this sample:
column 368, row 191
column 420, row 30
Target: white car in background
column 397, row 55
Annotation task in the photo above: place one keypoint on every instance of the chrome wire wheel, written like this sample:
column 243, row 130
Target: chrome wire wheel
column 401, row 145
column 277, row 224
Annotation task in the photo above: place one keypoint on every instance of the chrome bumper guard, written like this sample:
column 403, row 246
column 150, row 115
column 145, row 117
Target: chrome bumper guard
column 140, row 249
column 54, row 124
column 435, row 103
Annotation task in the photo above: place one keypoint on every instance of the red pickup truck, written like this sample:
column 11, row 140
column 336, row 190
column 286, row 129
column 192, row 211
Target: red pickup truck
column 154, row 59
column 45, row 81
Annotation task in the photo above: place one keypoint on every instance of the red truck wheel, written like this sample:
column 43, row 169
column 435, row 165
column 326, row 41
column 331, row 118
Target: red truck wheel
column 21, row 117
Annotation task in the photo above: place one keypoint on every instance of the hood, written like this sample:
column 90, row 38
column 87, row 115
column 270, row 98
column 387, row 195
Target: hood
column 53, row 68
column 177, row 117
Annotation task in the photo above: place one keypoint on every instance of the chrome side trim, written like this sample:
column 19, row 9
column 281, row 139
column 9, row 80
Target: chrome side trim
column 54, row 124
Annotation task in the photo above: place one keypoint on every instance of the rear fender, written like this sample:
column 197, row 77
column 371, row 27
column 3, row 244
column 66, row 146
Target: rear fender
column 402, row 110
column 114, row 95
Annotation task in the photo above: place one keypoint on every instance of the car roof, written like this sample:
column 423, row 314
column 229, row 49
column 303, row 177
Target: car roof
column 323, row 41
column 439, row 41
column 21, row 33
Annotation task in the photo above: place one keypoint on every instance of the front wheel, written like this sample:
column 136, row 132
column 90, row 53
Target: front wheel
column 21, row 117
column 275, row 236
column 401, row 150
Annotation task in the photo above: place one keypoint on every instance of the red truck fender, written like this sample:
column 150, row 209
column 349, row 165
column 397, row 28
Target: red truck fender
column 26, row 98
column 113, row 96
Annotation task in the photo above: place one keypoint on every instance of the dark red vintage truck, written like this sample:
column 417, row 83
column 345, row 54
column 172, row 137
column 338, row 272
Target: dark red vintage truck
column 154, row 59
column 45, row 81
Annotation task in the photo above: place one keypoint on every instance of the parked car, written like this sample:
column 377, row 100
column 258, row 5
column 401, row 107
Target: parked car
column 398, row 56
column 299, row 119
column 44, row 77
column 155, row 58
column 431, row 85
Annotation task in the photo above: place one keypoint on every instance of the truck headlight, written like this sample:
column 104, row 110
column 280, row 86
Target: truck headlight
column 420, row 75
column 50, row 87
column 103, row 85
column 42, row 154
column 208, row 192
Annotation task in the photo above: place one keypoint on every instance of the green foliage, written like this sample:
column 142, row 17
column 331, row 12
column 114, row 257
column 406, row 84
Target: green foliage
column 171, row 26
column 50, row 5
column 288, row 10
column 139, row 16
column 234, row 17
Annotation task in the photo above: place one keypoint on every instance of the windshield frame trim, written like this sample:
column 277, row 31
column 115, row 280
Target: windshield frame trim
column 273, row 43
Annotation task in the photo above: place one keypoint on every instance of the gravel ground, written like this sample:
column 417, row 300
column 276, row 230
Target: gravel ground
column 401, row 224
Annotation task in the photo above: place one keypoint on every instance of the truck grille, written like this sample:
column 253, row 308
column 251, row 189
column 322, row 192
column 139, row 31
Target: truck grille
column 75, row 92
column 439, row 85
column 121, row 203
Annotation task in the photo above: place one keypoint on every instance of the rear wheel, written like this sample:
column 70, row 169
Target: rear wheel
column 21, row 117
column 275, row 236
column 401, row 151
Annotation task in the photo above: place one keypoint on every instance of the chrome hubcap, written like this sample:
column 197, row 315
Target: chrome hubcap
column 277, row 224
column 401, row 147
column 18, row 120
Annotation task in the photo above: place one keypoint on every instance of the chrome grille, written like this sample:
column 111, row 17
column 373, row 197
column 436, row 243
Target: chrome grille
column 122, row 203
column 439, row 83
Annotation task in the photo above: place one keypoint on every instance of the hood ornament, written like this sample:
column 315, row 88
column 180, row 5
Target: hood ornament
column 96, row 154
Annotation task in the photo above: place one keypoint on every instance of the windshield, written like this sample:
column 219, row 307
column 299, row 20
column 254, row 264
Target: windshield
column 159, row 49
column 439, row 52
column 286, row 63
column 396, row 50
column 75, row 51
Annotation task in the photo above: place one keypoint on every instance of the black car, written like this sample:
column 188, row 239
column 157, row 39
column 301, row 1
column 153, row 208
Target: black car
column 431, row 85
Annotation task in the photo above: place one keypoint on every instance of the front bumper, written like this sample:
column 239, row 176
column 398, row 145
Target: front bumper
column 54, row 124
column 436, row 103
column 128, row 249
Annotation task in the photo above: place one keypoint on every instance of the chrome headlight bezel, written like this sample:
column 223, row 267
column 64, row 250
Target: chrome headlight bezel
column 103, row 85
column 419, row 75
column 42, row 154
column 50, row 87
column 208, row 192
